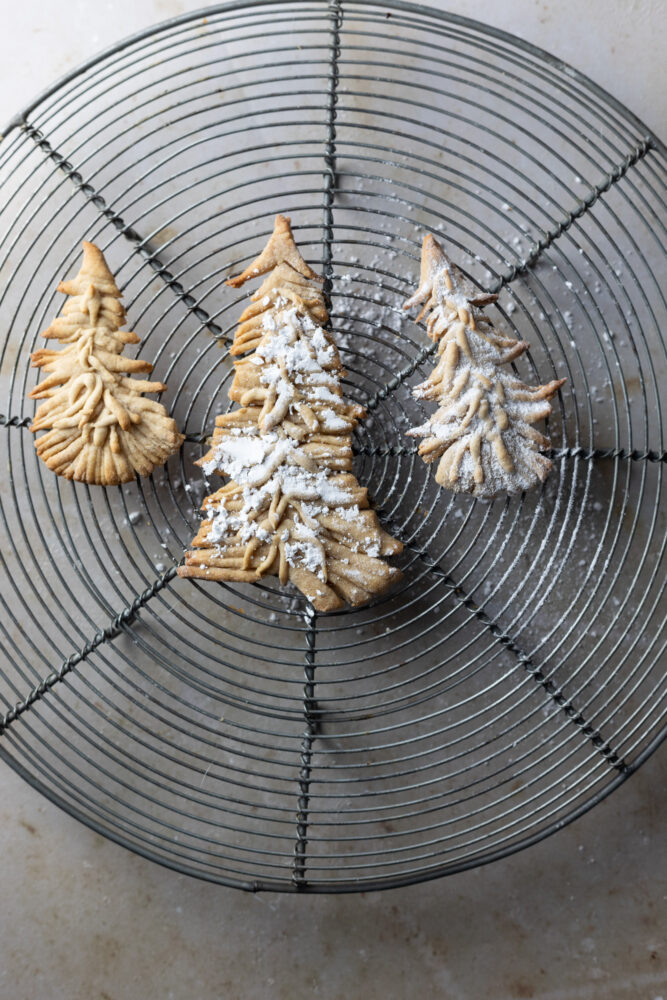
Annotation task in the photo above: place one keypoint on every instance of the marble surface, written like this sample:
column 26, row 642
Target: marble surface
column 581, row 916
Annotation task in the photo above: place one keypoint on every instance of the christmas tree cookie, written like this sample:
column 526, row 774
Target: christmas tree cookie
column 100, row 428
column 291, row 507
column 482, row 433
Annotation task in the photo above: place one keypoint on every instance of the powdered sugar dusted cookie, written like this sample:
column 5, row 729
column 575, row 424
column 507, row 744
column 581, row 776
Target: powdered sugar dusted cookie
column 292, row 507
column 481, row 434
column 100, row 427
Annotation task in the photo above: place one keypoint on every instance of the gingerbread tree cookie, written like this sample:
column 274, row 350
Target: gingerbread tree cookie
column 292, row 506
column 481, row 434
column 100, row 427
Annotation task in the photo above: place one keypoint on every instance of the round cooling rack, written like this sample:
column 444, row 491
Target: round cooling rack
column 516, row 675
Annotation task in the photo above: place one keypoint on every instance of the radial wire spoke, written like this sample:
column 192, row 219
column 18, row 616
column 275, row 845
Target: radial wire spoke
column 508, row 642
column 517, row 270
column 117, row 625
column 310, row 707
column 139, row 244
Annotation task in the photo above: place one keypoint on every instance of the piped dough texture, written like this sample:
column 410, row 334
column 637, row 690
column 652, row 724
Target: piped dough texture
column 100, row 428
column 292, row 507
column 482, row 433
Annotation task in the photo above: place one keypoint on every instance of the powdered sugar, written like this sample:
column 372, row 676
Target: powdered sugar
column 291, row 506
column 481, row 434
column 331, row 421
column 296, row 358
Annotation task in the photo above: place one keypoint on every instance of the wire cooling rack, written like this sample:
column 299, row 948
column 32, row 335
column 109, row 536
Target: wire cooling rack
column 514, row 677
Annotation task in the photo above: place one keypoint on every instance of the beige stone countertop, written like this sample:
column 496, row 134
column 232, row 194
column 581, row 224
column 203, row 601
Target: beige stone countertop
column 580, row 916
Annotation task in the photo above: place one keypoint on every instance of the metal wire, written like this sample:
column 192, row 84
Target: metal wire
column 516, row 675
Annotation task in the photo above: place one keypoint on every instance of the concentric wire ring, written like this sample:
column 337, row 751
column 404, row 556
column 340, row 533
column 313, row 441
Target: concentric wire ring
column 516, row 674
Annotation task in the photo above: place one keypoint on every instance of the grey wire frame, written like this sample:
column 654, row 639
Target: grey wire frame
column 516, row 676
